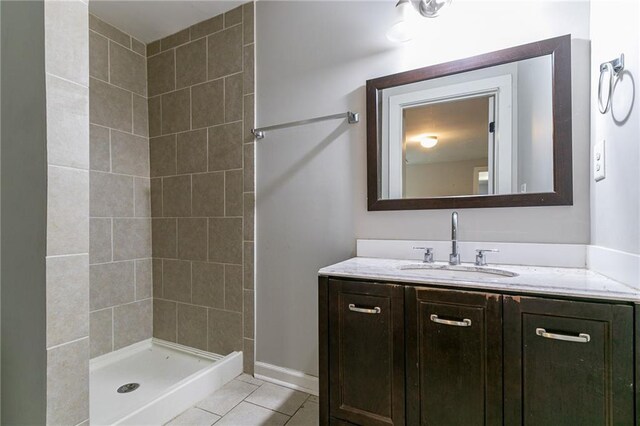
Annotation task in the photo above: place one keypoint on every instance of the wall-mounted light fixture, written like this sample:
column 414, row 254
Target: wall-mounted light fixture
column 408, row 14
column 428, row 141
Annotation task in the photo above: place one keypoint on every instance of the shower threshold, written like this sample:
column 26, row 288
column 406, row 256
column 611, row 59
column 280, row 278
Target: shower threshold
column 151, row 382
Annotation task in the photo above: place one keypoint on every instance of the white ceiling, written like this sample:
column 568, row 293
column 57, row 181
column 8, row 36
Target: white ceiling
column 150, row 20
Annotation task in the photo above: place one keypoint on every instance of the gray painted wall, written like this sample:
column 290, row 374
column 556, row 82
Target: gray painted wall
column 24, row 202
column 313, row 58
column 616, row 200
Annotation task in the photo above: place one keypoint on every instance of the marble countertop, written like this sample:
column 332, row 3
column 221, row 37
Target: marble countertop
column 572, row 282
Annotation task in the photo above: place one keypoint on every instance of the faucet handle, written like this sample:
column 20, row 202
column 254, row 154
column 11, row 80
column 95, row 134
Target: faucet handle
column 428, row 254
column 481, row 257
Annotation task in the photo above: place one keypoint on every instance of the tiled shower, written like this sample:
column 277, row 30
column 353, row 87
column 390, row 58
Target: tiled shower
column 150, row 194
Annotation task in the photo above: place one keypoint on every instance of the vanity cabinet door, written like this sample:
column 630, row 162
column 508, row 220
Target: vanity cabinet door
column 568, row 363
column 454, row 357
column 366, row 353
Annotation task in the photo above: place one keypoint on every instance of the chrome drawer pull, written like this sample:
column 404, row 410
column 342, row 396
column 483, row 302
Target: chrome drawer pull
column 464, row 323
column 580, row 338
column 375, row 310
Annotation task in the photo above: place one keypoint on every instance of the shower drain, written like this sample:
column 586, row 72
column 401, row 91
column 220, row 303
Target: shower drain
column 129, row 387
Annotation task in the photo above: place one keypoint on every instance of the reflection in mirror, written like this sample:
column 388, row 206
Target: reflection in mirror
column 482, row 132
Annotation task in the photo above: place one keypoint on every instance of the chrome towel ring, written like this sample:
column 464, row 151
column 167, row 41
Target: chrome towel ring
column 613, row 68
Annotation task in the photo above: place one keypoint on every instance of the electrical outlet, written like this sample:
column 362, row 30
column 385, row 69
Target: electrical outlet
column 598, row 161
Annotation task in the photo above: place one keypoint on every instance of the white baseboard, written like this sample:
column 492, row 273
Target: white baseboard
column 617, row 265
column 286, row 377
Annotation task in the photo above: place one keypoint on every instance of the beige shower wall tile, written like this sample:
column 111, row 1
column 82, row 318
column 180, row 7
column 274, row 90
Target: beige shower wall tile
column 109, row 31
column 207, row 27
column 249, row 215
column 233, row 296
column 67, row 40
column 140, row 116
column 176, row 111
column 112, row 284
column 248, row 119
column 161, row 73
column 248, row 266
column 176, row 196
column 175, row 39
column 233, row 98
column 144, row 279
column 192, row 239
column 192, row 326
column 225, row 240
column 111, row 195
column 249, row 71
column 249, row 164
column 225, row 331
column 248, row 22
column 208, row 284
column 110, row 106
column 67, row 298
column 99, row 148
column 191, row 63
column 142, row 197
column 100, row 240
column 129, row 154
column 176, row 280
column 156, row 265
column 155, row 116
column 192, row 151
column 208, row 194
column 249, row 326
column 153, row 48
column 163, row 155
column 127, row 69
column 164, row 237
column 156, row 197
column 233, row 193
column 138, row 47
column 101, row 332
column 131, row 239
column 132, row 323
column 67, row 123
column 248, row 356
column 68, row 383
column 233, row 17
column 225, row 44
column 98, row 56
column 225, row 147
column 164, row 320
column 67, row 211
column 207, row 104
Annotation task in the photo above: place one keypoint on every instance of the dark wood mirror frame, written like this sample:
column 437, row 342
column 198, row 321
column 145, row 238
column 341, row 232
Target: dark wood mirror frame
column 560, row 50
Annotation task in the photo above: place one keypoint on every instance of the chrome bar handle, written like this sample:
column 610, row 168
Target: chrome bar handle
column 580, row 338
column 464, row 323
column 374, row 311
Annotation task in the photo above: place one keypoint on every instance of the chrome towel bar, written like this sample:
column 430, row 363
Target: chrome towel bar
column 351, row 117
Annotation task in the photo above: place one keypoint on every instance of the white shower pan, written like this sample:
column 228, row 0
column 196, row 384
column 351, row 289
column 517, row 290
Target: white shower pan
column 172, row 378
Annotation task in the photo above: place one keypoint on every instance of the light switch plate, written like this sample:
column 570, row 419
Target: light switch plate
column 599, row 161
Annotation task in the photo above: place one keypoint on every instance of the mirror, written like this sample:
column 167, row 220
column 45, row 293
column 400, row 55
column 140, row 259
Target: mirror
column 488, row 131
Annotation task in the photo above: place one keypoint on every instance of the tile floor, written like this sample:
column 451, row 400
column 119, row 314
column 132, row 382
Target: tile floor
column 246, row 401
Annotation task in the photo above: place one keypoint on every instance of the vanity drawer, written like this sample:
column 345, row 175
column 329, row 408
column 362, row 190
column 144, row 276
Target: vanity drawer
column 454, row 357
column 366, row 353
column 567, row 362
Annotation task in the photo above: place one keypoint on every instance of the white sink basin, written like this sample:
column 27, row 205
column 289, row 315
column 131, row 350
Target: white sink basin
column 458, row 272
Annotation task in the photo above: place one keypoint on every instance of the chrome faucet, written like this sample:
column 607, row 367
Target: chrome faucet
column 454, row 257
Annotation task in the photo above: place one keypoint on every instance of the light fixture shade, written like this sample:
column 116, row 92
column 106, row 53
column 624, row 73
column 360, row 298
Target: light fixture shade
column 402, row 28
column 428, row 141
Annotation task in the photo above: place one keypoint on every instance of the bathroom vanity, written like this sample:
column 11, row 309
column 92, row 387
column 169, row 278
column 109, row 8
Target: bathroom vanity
column 402, row 343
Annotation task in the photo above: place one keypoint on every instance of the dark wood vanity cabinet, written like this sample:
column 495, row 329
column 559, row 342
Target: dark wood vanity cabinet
column 454, row 357
column 396, row 354
column 567, row 362
column 366, row 352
